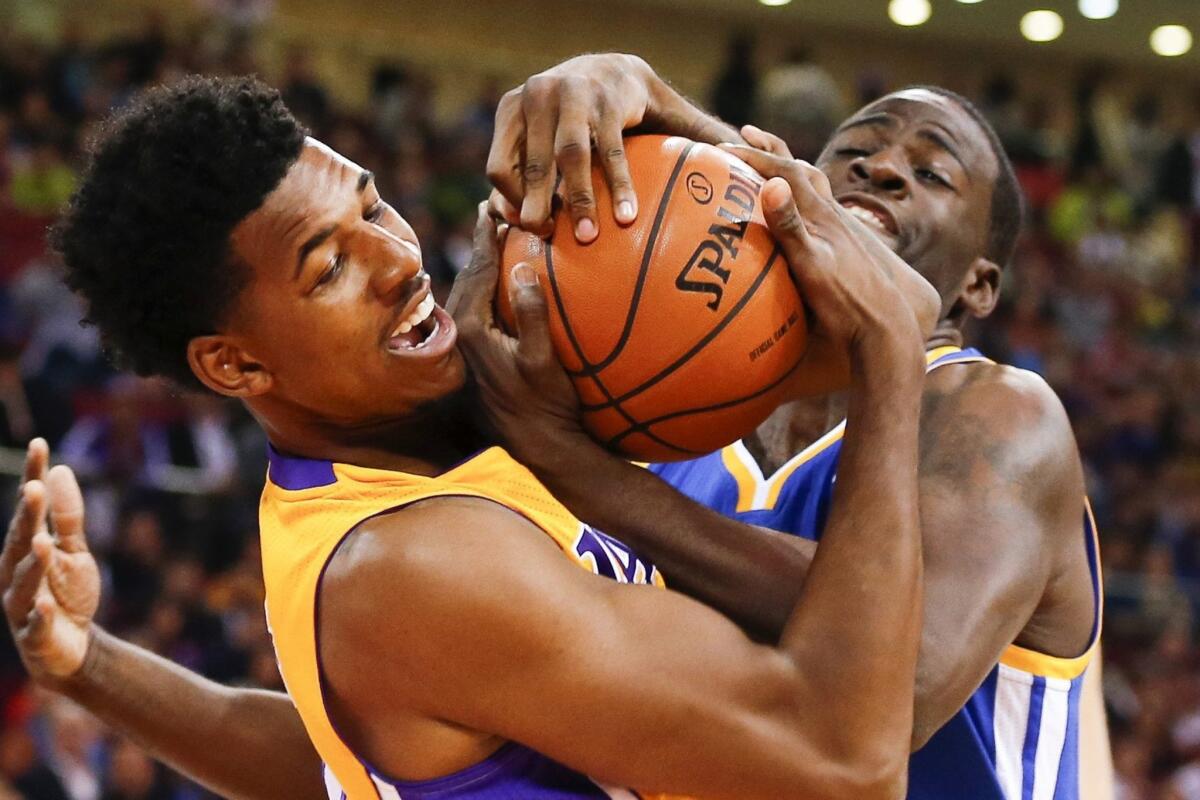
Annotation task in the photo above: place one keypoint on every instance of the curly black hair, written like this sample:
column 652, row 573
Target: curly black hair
column 146, row 238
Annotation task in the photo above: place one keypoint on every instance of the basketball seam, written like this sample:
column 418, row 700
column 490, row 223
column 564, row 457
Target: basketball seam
column 647, row 253
column 696, row 348
column 562, row 314
column 642, row 426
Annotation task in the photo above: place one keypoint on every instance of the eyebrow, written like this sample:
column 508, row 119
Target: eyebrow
column 879, row 118
column 317, row 239
column 944, row 143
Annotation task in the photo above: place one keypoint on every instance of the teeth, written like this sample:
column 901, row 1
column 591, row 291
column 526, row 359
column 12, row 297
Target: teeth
column 419, row 315
column 867, row 217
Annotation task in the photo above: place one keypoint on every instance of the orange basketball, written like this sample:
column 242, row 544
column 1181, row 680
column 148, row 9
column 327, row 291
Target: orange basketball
column 679, row 330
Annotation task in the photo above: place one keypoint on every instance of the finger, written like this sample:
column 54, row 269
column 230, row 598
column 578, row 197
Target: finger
column 500, row 208
column 66, row 509
column 18, row 600
column 610, row 146
column 767, row 164
column 28, row 519
column 784, row 219
column 573, row 155
column 538, row 170
column 504, row 157
column 534, row 347
column 768, row 142
column 800, row 175
column 37, row 456
column 818, row 180
column 39, row 621
column 470, row 301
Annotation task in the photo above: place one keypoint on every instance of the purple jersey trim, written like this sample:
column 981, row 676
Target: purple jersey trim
column 295, row 472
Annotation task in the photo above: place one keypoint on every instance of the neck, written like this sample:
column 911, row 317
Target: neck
column 426, row 442
column 796, row 425
column 948, row 333
column 791, row 428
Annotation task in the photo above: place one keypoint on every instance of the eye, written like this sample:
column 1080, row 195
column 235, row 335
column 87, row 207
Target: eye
column 851, row 152
column 333, row 269
column 375, row 212
column 929, row 175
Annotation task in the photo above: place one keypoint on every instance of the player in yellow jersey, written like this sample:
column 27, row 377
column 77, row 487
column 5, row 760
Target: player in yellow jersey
column 431, row 632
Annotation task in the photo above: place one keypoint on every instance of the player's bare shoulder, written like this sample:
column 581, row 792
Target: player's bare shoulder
column 996, row 418
column 435, row 537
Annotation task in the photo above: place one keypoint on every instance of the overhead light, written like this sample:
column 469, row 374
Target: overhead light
column 970, row 2
column 1041, row 26
column 1171, row 40
column 774, row 2
column 1098, row 9
column 909, row 12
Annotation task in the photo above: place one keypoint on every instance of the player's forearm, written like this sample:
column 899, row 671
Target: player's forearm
column 242, row 744
column 862, row 598
column 751, row 575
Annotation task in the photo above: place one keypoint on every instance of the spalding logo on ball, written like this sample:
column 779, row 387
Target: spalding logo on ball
column 681, row 330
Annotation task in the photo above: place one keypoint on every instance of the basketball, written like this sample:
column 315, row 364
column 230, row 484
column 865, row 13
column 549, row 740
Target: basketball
column 679, row 330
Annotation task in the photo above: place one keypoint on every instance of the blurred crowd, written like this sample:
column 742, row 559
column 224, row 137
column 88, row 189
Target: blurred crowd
column 1103, row 300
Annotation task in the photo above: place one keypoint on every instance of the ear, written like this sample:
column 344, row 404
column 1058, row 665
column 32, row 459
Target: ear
column 226, row 368
column 980, row 289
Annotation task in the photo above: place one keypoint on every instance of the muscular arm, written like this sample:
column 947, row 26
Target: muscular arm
column 51, row 589
column 1000, row 490
column 240, row 743
column 482, row 623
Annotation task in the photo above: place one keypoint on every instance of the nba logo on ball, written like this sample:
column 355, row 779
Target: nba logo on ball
column 680, row 330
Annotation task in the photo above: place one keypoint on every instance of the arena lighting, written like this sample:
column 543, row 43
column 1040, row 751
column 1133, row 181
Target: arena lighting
column 774, row 2
column 909, row 12
column 1041, row 26
column 1171, row 40
column 1098, row 9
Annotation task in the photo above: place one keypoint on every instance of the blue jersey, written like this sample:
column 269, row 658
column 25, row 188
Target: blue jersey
column 1017, row 737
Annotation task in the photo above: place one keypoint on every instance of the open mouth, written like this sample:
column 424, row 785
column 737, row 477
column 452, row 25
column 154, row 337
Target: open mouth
column 419, row 328
column 874, row 217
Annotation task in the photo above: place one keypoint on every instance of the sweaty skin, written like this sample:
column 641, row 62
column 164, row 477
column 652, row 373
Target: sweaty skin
column 120, row 681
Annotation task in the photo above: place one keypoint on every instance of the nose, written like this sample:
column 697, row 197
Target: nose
column 392, row 262
column 882, row 171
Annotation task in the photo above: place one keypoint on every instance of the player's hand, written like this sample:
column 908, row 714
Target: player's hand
column 50, row 581
column 548, row 126
column 853, row 284
column 525, row 392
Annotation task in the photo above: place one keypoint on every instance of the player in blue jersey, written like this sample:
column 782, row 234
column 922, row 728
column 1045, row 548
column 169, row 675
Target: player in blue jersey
column 1002, row 577
column 1013, row 601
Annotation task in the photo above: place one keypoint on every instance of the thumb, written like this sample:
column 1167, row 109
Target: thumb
column 534, row 345
column 783, row 219
column 66, row 509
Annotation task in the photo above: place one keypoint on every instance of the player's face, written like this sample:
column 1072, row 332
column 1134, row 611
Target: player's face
column 339, row 311
column 920, row 173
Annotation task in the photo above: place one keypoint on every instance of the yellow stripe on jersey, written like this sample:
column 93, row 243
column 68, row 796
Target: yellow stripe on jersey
column 756, row 493
column 1048, row 666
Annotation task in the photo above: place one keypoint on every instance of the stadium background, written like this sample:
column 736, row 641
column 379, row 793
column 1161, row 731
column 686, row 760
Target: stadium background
column 1103, row 298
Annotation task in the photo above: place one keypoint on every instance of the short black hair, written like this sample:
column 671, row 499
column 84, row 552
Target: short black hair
column 1008, row 204
column 146, row 238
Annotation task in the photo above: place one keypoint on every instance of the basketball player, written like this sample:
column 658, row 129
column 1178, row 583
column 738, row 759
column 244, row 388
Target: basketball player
column 436, row 613
column 137, row 669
